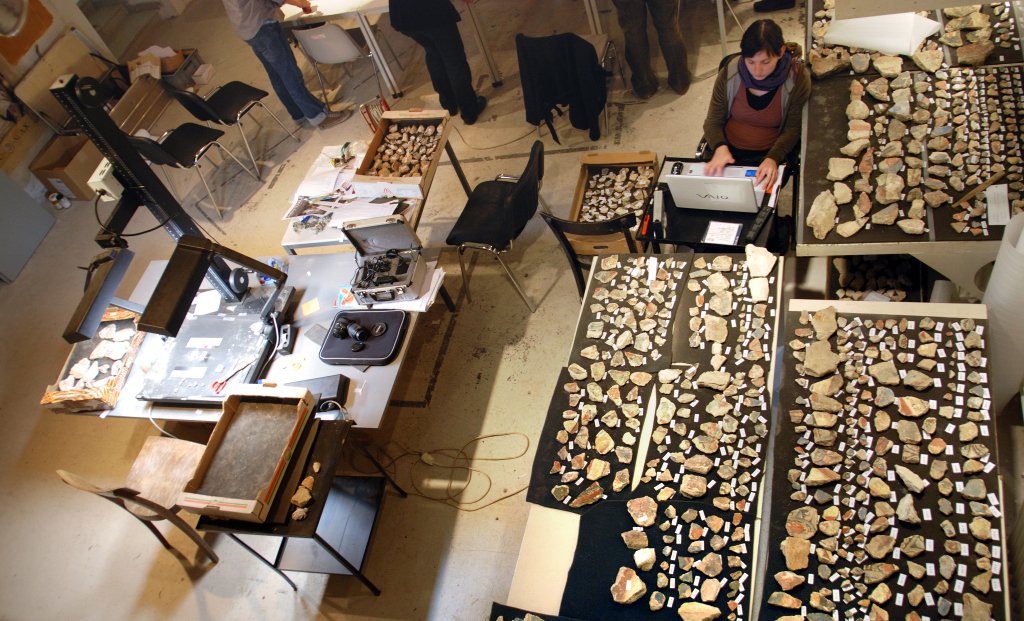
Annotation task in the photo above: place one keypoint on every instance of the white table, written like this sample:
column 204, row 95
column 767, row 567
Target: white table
column 316, row 277
column 358, row 10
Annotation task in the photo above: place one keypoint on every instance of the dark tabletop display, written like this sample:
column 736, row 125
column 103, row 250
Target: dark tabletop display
column 666, row 560
column 887, row 506
column 970, row 35
column 597, row 411
column 501, row 612
column 711, row 418
column 893, row 158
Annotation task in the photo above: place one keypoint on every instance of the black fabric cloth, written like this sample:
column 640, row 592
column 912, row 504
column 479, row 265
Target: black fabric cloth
column 411, row 15
column 562, row 70
column 760, row 102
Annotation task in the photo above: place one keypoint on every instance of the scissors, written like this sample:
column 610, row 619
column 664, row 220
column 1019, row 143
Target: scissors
column 219, row 385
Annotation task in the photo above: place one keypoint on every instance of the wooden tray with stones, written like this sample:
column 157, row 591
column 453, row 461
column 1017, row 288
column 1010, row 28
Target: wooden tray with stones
column 916, row 147
column 597, row 410
column 888, row 506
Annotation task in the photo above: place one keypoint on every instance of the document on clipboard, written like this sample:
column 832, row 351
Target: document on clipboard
column 722, row 233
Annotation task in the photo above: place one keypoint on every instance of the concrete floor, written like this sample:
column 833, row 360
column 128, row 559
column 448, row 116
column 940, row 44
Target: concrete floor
column 489, row 368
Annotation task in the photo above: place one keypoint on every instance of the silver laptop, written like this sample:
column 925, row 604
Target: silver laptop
column 732, row 191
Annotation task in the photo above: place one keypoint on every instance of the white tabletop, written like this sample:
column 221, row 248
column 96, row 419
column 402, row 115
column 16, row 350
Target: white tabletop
column 329, row 8
column 316, row 279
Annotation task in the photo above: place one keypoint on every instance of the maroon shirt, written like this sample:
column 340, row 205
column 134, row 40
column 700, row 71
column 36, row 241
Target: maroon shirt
column 750, row 129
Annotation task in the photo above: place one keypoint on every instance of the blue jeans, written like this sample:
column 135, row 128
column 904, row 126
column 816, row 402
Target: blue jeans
column 271, row 46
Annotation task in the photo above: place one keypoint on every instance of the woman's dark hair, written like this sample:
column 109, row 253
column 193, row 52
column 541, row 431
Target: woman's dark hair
column 763, row 35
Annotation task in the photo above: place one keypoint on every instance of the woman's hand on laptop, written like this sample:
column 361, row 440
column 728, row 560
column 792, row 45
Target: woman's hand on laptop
column 767, row 172
column 721, row 158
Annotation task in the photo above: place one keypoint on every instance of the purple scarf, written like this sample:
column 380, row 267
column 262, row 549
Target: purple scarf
column 774, row 80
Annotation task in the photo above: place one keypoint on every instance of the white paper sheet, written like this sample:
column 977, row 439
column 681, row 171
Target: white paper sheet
column 890, row 34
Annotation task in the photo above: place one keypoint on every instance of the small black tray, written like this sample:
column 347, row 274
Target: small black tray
column 379, row 350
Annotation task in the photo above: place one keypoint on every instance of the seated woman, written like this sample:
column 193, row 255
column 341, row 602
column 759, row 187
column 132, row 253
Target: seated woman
column 755, row 113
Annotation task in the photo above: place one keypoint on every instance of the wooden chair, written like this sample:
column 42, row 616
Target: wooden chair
column 590, row 239
column 151, row 489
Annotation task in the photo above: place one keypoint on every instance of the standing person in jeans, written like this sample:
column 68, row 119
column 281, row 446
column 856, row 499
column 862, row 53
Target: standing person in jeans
column 256, row 21
column 434, row 25
column 633, row 21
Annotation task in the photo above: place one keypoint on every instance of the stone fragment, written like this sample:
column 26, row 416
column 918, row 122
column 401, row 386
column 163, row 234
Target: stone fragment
column 710, row 565
column 784, row 600
column 643, row 510
column 888, row 188
column 589, row 496
column 797, row 552
column 788, row 580
column 888, row 66
column 840, row 168
column 760, row 261
column 697, row 611
column 628, row 587
column 974, row 54
column 886, row 216
column 913, row 407
column 693, row 486
column 820, row 360
column 634, row 539
column 644, row 558
column 906, row 511
column 822, row 214
column 911, row 226
column 885, row 373
column 929, row 60
column 824, row 323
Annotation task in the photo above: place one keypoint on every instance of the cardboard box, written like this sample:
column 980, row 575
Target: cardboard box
column 260, row 431
column 591, row 164
column 402, row 187
column 144, row 64
column 170, row 64
column 181, row 77
column 19, row 140
column 65, row 165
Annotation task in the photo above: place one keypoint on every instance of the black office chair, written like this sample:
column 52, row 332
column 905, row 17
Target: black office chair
column 496, row 213
column 589, row 239
column 226, row 106
column 183, row 147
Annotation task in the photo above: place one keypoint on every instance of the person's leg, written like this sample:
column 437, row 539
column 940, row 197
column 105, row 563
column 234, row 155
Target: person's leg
column 447, row 44
column 271, row 47
column 438, row 73
column 633, row 21
column 665, row 14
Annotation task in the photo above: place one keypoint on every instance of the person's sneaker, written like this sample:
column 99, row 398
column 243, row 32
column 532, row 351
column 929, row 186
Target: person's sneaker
column 333, row 118
column 481, row 103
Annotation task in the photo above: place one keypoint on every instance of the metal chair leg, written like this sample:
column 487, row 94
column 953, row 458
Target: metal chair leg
column 320, row 78
column 462, row 268
column 515, row 283
column 277, row 120
column 237, row 161
column 209, row 194
column 245, row 141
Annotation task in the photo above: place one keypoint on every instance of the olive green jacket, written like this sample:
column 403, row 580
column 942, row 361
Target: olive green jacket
column 795, row 93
